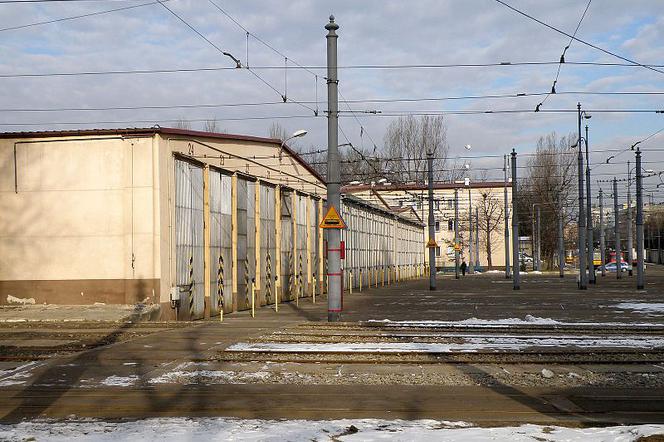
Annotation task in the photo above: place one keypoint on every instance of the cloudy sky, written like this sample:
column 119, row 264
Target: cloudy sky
column 378, row 32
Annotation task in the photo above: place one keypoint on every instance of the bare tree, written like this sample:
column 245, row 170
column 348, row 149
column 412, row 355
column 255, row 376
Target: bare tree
column 212, row 126
column 407, row 141
column 550, row 183
column 278, row 132
column 490, row 217
column 182, row 123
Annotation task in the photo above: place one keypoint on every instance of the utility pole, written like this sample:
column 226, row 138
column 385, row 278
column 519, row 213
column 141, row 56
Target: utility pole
column 533, row 239
column 507, row 227
column 333, row 176
column 456, row 233
column 591, row 245
column 516, row 279
column 470, row 231
column 539, row 241
column 561, row 241
column 432, row 227
column 602, row 245
column 629, row 219
column 640, row 283
column 617, row 227
column 477, row 240
column 582, row 216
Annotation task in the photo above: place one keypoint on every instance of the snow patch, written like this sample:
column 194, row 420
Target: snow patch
column 209, row 377
column 347, row 430
column 120, row 381
column 641, row 307
column 471, row 344
column 22, row 301
column 507, row 322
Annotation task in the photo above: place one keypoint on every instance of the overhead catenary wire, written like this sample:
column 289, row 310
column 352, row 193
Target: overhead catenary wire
column 228, row 54
column 75, row 17
column 562, row 57
column 393, row 115
column 280, row 102
column 553, row 28
column 277, row 67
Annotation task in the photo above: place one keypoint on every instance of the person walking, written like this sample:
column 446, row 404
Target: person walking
column 463, row 267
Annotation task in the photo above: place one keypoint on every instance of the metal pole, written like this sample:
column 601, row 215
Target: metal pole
column 515, row 228
column 333, row 176
column 561, row 241
column 507, row 227
column 477, row 240
column 629, row 219
column 456, row 233
column 640, row 283
column 617, row 227
column 532, row 236
column 582, row 215
column 470, row 232
column 539, row 241
column 591, row 245
column 602, row 244
column 432, row 227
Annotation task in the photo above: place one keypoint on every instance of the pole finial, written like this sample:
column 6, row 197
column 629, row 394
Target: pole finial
column 331, row 26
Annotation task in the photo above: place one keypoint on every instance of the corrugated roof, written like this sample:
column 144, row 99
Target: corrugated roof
column 149, row 131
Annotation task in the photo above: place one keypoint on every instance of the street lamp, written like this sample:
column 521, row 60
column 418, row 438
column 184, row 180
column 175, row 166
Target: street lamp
column 296, row 134
column 582, row 215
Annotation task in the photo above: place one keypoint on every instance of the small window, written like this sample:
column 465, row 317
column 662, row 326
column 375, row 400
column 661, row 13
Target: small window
column 438, row 251
column 450, row 204
column 450, row 225
column 437, row 226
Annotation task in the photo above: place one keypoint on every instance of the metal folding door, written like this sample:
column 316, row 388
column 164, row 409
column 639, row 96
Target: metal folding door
column 221, row 283
column 268, row 258
column 189, row 245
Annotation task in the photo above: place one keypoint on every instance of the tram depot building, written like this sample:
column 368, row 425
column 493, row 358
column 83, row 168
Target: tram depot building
column 191, row 221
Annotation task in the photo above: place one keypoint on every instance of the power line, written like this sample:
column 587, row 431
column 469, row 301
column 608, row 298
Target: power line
column 274, row 67
column 636, row 63
column 562, row 57
column 74, row 17
column 357, row 101
column 231, row 18
column 236, row 60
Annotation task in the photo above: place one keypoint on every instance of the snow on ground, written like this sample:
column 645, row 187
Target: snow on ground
column 641, row 307
column 222, row 429
column 120, row 381
column 506, row 323
column 18, row 375
column 470, row 344
column 180, row 375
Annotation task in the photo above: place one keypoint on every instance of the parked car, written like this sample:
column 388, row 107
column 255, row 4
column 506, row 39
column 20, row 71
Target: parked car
column 611, row 267
column 525, row 258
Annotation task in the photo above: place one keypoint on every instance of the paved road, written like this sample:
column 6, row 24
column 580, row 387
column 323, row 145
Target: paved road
column 114, row 380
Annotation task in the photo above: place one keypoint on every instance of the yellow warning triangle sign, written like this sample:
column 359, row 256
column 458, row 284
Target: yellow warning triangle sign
column 332, row 220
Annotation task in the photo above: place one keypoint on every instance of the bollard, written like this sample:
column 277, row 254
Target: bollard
column 382, row 277
column 314, row 292
column 276, row 295
column 360, row 279
column 253, row 298
column 350, row 286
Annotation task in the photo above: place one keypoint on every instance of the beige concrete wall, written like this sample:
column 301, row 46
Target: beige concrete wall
column 82, row 211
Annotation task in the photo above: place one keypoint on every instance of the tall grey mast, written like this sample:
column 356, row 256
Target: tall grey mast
column 333, row 176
